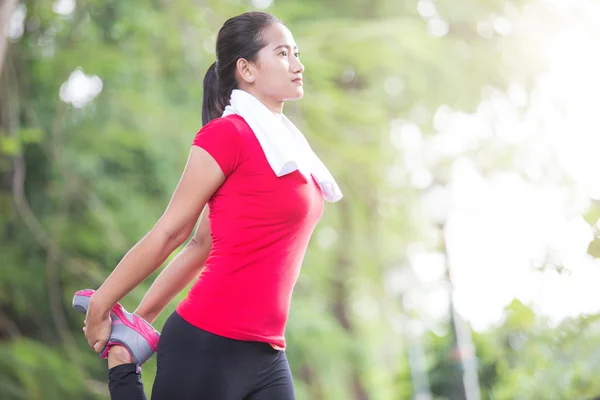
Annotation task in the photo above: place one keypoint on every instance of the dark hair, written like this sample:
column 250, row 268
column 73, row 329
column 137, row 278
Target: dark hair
column 240, row 37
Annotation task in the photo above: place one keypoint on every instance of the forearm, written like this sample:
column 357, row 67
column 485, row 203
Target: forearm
column 137, row 265
column 173, row 279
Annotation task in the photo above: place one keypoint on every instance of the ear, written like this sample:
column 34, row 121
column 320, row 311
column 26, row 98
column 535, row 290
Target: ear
column 245, row 70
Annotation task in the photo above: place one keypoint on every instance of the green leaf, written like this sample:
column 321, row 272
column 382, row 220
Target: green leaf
column 31, row 135
column 10, row 146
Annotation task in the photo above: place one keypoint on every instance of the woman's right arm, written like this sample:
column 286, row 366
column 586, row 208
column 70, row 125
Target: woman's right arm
column 186, row 266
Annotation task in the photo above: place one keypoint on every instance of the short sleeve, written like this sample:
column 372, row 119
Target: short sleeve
column 221, row 139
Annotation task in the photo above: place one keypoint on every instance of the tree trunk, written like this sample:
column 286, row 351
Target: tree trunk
column 340, row 291
column 7, row 8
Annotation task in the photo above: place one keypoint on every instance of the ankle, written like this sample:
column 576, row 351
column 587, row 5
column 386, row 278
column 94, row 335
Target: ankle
column 118, row 355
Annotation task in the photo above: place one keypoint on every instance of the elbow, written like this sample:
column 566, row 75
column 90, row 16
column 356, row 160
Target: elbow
column 175, row 238
column 198, row 241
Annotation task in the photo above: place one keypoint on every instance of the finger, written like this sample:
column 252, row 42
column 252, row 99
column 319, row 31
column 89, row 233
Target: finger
column 99, row 346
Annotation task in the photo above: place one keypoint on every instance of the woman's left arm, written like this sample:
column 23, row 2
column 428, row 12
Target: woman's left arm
column 200, row 179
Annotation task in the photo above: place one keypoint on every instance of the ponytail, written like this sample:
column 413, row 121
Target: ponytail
column 212, row 103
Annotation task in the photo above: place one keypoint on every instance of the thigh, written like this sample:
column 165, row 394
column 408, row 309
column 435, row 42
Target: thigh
column 275, row 381
column 190, row 366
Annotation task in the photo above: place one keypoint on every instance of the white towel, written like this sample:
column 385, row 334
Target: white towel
column 285, row 147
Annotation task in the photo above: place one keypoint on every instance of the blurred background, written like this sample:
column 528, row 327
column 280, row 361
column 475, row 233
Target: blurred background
column 462, row 261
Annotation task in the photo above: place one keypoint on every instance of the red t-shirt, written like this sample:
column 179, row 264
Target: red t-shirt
column 260, row 227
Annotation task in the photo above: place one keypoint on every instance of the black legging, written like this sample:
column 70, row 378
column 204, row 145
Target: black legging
column 193, row 364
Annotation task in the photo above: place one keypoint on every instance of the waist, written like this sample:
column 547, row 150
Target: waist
column 179, row 329
column 243, row 298
column 239, row 322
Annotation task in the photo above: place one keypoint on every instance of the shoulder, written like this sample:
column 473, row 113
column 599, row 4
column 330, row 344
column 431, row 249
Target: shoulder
column 222, row 139
column 219, row 130
column 225, row 124
column 237, row 122
column 231, row 125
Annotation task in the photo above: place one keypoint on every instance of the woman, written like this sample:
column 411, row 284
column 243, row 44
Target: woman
column 264, row 188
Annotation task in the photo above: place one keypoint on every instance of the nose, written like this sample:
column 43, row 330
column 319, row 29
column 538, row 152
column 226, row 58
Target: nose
column 297, row 66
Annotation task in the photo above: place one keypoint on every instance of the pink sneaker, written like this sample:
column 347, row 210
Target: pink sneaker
column 129, row 330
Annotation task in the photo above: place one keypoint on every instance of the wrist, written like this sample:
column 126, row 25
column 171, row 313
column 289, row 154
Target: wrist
column 98, row 307
column 147, row 315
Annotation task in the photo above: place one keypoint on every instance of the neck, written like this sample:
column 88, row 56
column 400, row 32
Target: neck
column 276, row 107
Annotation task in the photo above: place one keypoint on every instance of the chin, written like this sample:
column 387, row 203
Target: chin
column 296, row 95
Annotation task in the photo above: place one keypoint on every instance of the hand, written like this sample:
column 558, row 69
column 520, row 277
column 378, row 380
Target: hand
column 97, row 331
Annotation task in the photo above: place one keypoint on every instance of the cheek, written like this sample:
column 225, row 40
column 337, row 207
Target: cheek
column 274, row 76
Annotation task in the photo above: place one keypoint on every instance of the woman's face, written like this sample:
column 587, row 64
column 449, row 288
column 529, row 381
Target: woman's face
column 277, row 74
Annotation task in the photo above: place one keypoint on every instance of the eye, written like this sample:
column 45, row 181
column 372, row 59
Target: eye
column 297, row 54
column 283, row 53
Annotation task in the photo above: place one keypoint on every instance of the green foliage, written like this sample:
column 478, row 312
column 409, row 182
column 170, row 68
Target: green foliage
column 32, row 370
column 524, row 358
column 98, row 177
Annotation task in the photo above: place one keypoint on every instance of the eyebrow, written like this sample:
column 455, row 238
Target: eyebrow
column 284, row 45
